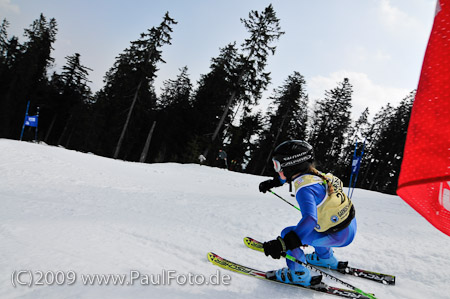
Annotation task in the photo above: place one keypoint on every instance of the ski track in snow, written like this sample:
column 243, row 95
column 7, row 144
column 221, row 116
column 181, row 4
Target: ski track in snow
column 65, row 210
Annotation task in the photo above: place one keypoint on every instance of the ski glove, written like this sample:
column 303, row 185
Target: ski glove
column 275, row 247
column 269, row 184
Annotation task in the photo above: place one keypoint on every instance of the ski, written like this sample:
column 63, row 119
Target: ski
column 343, row 266
column 269, row 276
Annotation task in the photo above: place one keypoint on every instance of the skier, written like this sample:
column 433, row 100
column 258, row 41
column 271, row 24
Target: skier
column 328, row 216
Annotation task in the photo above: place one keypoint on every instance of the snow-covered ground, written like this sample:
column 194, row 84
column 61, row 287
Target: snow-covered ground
column 81, row 214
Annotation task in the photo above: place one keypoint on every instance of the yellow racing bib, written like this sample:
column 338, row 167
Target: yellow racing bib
column 334, row 208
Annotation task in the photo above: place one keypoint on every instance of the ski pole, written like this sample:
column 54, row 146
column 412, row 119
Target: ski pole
column 334, row 278
column 283, row 199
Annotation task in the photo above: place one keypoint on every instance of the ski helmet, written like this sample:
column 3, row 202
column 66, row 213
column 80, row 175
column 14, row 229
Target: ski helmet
column 292, row 156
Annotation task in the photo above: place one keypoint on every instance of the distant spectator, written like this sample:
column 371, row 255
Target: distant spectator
column 222, row 159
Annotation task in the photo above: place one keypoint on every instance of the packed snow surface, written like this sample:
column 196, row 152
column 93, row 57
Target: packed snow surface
column 69, row 214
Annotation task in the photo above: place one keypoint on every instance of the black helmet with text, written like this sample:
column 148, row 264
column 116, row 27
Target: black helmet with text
column 292, row 157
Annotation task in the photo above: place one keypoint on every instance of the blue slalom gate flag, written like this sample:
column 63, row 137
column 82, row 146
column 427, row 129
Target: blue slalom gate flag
column 32, row 121
column 356, row 163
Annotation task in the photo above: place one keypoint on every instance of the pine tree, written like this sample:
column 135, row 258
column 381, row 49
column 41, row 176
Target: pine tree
column 286, row 119
column 124, row 107
column 356, row 136
column 176, row 92
column 68, row 106
column 374, row 149
column 147, row 49
column 360, row 128
column 398, row 131
column 387, row 149
column 330, row 123
column 4, row 47
column 174, row 120
column 3, row 41
column 75, row 75
column 10, row 51
column 27, row 69
column 240, row 145
column 264, row 29
column 211, row 97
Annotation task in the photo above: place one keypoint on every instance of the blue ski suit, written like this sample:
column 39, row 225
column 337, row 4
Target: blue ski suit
column 308, row 198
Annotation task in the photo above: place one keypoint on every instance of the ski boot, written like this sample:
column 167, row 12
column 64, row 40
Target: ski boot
column 287, row 275
column 330, row 262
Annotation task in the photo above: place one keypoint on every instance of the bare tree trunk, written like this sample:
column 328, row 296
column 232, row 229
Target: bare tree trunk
column 374, row 178
column 280, row 128
column 230, row 101
column 70, row 137
column 232, row 118
column 122, row 135
column 64, row 131
column 147, row 144
column 50, row 129
column 222, row 119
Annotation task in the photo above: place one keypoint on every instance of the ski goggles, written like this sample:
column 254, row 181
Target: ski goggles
column 276, row 165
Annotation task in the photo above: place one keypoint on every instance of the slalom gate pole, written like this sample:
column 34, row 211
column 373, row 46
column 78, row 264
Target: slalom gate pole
column 356, row 176
column 284, row 199
column 354, row 185
column 334, row 278
column 351, row 175
column 26, row 116
column 36, row 129
column 350, row 185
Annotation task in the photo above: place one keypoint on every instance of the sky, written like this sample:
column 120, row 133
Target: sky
column 378, row 44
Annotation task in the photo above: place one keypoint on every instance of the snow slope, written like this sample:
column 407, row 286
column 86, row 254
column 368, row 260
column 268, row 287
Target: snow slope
column 66, row 211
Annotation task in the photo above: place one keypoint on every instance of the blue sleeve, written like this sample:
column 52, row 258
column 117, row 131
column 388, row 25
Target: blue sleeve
column 307, row 198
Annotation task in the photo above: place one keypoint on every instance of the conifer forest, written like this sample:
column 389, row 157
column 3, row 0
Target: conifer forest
column 127, row 120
